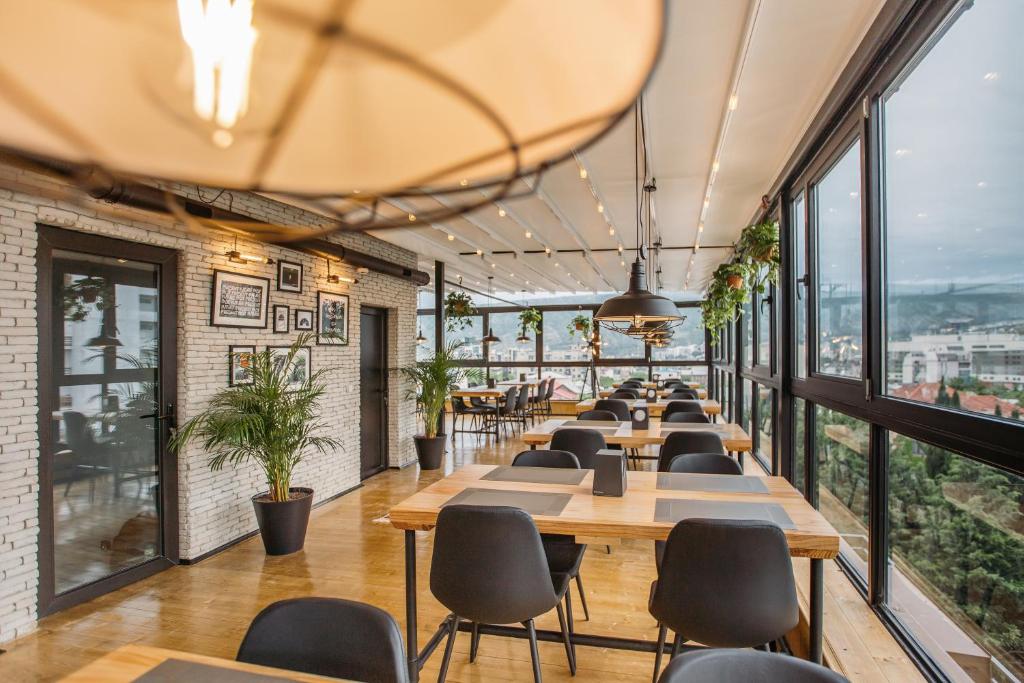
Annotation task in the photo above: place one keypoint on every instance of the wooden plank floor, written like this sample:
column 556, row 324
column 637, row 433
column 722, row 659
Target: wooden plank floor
column 350, row 553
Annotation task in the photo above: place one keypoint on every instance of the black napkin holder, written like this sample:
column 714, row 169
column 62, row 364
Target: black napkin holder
column 609, row 473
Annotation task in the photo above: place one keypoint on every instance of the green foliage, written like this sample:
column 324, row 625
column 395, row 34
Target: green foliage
column 85, row 292
column 458, row 309
column 433, row 378
column 529, row 318
column 267, row 421
column 722, row 303
column 580, row 323
column 758, row 248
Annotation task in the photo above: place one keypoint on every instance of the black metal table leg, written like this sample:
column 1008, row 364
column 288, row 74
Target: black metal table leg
column 817, row 616
column 412, row 647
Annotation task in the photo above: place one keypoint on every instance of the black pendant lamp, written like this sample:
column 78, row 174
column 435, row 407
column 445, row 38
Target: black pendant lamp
column 420, row 339
column 490, row 337
column 523, row 338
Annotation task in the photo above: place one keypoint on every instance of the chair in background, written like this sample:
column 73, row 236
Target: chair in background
column 460, row 409
column 583, row 443
column 684, row 394
column 632, row 384
column 684, row 418
column 546, row 458
column 673, row 382
column 523, row 405
column 537, row 400
column 598, row 416
column 625, row 394
column 743, row 666
column 679, row 443
column 327, row 637
column 683, row 406
column 750, row 605
column 502, row 413
column 617, row 406
column 477, row 549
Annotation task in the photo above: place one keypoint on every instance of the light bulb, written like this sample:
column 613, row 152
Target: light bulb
column 451, row 237
column 501, row 212
column 528, row 234
column 734, row 101
column 583, row 173
column 611, row 230
column 547, row 250
column 479, row 252
column 412, row 218
column 600, row 207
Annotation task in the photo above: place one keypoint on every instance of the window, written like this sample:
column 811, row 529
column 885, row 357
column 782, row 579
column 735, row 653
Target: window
column 954, row 290
column 747, row 333
column 956, row 569
column 507, row 374
column 800, row 272
column 560, row 344
column 765, row 307
column 841, row 448
column 687, row 339
column 470, row 336
column 697, row 374
column 425, row 327
column 799, row 451
column 748, row 412
column 607, row 376
column 506, row 326
column 618, row 346
column 838, row 266
column 765, row 424
column 568, row 383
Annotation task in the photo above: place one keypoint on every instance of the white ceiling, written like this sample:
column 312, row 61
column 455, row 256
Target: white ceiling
column 778, row 57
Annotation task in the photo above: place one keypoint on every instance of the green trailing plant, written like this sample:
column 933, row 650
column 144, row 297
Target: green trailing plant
column 758, row 249
column 85, row 292
column 724, row 298
column 580, row 323
column 458, row 309
column 529, row 319
column 433, row 379
column 269, row 421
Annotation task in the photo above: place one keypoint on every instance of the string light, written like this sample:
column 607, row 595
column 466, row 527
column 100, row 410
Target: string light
column 501, row 212
column 451, row 237
column 528, row 234
column 412, row 218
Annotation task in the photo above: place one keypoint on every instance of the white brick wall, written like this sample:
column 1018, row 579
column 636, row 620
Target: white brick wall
column 214, row 508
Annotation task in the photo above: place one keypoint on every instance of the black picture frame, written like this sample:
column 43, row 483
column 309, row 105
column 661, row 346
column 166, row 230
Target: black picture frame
column 282, row 318
column 235, row 357
column 328, row 317
column 304, row 320
column 219, row 317
column 289, row 277
column 303, row 357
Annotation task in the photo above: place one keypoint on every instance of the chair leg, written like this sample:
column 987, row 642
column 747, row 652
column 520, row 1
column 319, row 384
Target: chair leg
column 453, row 628
column 662, row 631
column 676, row 644
column 569, row 619
column 583, row 597
column 569, row 654
column 534, row 653
column 474, row 644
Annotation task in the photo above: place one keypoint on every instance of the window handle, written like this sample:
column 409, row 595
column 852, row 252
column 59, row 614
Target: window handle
column 805, row 280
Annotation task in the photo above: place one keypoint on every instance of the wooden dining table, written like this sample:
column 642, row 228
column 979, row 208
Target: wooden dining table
column 662, row 393
column 734, row 438
column 651, row 506
column 654, row 408
column 130, row 662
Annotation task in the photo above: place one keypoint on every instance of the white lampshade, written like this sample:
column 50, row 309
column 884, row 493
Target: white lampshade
column 366, row 97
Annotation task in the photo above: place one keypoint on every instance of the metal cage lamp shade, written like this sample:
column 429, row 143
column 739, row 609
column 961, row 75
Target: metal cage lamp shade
column 344, row 104
column 637, row 306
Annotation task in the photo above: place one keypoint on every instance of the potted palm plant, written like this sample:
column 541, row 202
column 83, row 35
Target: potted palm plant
column 274, row 421
column 432, row 379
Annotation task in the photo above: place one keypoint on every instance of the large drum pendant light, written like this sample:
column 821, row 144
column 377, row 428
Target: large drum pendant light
column 345, row 103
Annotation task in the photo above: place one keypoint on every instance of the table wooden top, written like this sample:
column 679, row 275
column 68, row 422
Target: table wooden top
column 662, row 393
column 629, row 516
column 655, row 408
column 479, row 392
column 131, row 661
column 532, row 383
column 622, row 433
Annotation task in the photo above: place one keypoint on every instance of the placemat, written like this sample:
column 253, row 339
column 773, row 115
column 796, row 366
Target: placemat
column 534, row 502
column 669, row 510
column 177, row 670
column 536, row 475
column 717, row 483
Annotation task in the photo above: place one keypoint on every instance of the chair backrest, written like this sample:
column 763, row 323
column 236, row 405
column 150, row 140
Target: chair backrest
column 616, row 405
column 524, row 396
column 742, row 666
column 489, row 565
column 76, row 432
column 327, row 637
column 684, row 394
column 704, row 463
column 726, row 583
column 542, row 389
column 692, row 418
column 625, row 393
column 673, row 382
column 683, row 406
column 546, row 458
column 459, row 404
column 632, row 384
column 510, row 397
column 601, row 415
column 551, row 389
column 583, row 443
column 637, row 379
column 679, row 443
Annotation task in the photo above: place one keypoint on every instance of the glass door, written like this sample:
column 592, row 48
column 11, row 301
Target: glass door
column 106, row 415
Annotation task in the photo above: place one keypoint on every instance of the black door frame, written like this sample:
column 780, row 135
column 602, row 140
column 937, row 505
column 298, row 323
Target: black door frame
column 51, row 238
column 385, row 456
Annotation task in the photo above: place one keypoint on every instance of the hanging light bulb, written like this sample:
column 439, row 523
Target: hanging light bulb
column 490, row 337
column 420, row 339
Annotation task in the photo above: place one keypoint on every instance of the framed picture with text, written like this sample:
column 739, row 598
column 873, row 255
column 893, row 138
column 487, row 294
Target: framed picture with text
column 239, row 300
column 332, row 319
column 289, row 276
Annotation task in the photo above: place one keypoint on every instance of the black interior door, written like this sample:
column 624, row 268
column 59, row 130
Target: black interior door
column 373, row 394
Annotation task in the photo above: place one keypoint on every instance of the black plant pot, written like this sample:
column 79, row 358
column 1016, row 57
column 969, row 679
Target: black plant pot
column 283, row 525
column 430, row 451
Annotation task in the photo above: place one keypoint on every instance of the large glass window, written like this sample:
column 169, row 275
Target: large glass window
column 425, row 327
column 838, row 228
column 953, row 239
column 560, row 343
column 841, row 448
column 800, row 273
column 569, row 383
column 470, row 336
column 956, row 570
column 799, row 450
column 765, row 306
column 765, row 424
column 687, row 339
column 620, row 346
column 748, row 412
column 507, row 328
column 747, row 333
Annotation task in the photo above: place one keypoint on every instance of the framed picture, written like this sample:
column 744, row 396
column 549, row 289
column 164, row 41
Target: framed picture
column 289, row 276
column 301, row 367
column 332, row 318
column 240, row 364
column 239, row 300
column 303, row 320
column 282, row 318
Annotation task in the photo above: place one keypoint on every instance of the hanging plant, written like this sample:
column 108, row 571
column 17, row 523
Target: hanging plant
column 529, row 318
column 758, row 248
column 85, row 292
column 724, row 297
column 580, row 323
column 458, row 308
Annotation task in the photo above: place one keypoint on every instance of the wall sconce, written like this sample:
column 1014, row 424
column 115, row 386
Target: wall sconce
column 235, row 256
column 336, row 279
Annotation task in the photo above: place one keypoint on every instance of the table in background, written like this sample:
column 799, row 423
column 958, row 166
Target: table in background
column 655, row 408
column 622, row 433
column 662, row 393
